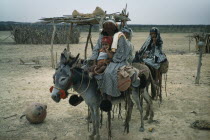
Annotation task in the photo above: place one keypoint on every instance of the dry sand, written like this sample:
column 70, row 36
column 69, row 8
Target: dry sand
column 23, row 84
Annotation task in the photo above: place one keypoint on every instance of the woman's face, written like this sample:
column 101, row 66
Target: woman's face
column 153, row 34
column 109, row 28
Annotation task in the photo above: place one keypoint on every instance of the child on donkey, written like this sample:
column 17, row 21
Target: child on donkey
column 104, row 58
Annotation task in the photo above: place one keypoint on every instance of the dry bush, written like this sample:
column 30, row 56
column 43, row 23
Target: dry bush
column 42, row 34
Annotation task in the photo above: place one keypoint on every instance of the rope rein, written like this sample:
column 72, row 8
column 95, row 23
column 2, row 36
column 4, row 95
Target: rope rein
column 82, row 82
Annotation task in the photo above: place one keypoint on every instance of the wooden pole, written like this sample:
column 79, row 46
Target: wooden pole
column 189, row 42
column 200, row 45
column 91, row 42
column 56, row 58
column 88, row 38
column 51, row 50
column 69, row 36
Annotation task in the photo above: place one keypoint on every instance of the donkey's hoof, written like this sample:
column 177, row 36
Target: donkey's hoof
column 91, row 137
column 150, row 121
column 141, row 129
column 97, row 137
column 145, row 118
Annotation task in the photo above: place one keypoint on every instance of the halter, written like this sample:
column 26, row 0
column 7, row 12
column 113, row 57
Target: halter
column 63, row 94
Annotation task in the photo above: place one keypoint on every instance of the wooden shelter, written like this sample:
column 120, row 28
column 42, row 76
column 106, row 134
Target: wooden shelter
column 205, row 37
column 86, row 19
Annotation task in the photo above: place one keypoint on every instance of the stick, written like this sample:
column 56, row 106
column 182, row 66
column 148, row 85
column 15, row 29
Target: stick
column 10, row 116
column 11, row 130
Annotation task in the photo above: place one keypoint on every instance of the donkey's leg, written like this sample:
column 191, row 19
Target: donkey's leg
column 128, row 113
column 160, row 80
column 93, row 118
column 97, row 122
column 149, row 106
column 136, row 98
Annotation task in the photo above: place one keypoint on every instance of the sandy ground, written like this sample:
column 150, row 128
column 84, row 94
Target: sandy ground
column 21, row 85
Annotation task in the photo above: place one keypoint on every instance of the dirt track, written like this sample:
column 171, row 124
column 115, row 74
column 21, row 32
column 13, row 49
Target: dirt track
column 23, row 84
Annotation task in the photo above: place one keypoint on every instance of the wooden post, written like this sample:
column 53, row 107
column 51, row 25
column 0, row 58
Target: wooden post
column 56, row 58
column 88, row 38
column 189, row 42
column 91, row 42
column 69, row 37
column 51, row 50
column 200, row 45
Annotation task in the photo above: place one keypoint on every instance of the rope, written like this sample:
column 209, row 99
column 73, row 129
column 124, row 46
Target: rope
column 82, row 82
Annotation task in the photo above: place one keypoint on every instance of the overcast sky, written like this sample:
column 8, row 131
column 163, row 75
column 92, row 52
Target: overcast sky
column 141, row 11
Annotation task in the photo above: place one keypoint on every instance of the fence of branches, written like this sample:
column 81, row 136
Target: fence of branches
column 42, row 34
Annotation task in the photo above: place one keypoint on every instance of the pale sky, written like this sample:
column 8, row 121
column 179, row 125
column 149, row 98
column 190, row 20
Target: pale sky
column 140, row 11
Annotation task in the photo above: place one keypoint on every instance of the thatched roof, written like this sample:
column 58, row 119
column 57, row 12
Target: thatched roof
column 82, row 20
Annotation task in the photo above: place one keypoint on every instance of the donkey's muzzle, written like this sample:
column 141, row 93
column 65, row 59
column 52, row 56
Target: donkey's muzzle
column 54, row 95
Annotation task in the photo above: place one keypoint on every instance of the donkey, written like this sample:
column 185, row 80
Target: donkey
column 154, row 76
column 67, row 76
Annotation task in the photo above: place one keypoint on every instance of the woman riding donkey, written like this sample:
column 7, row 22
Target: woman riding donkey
column 151, row 54
column 121, row 50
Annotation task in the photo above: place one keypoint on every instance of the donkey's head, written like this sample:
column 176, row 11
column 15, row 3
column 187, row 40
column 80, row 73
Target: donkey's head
column 62, row 78
column 137, row 58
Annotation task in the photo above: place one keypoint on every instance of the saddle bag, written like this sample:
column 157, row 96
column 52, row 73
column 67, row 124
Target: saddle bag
column 123, row 82
column 164, row 66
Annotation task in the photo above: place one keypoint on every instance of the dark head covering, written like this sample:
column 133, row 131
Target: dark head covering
column 109, row 21
column 159, row 39
column 127, row 30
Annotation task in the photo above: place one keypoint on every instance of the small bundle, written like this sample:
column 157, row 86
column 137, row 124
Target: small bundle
column 97, row 12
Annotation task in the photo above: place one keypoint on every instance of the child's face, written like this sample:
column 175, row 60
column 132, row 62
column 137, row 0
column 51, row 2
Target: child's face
column 105, row 45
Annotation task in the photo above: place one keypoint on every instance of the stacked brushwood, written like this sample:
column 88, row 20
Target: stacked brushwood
column 42, row 34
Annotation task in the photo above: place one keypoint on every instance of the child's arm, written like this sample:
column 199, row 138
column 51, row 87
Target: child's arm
column 109, row 53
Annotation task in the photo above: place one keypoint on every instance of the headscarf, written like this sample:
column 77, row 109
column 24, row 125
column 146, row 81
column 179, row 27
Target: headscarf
column 125, row 29
column 159, row 39
column 149, row 40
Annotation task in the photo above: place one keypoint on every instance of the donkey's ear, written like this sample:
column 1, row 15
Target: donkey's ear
column 64, row 57
column 74, row 60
